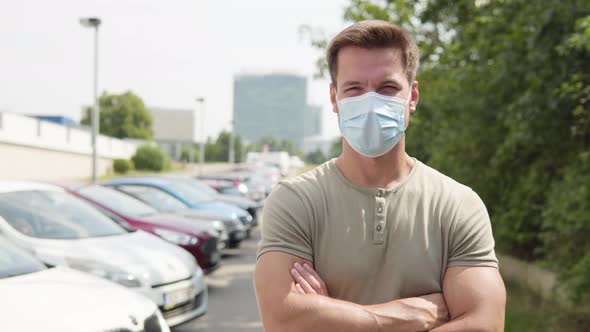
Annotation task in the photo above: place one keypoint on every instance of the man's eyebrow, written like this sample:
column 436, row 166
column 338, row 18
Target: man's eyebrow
column 348, row 83
column 391, row 81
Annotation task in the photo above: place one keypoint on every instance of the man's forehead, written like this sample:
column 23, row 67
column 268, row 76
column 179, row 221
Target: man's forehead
column 381, row 64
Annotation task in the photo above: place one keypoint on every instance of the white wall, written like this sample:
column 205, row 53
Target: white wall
column 31, row 148
column 26, row 131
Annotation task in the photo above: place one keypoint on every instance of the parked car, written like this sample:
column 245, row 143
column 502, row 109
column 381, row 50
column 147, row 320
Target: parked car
column 190, row 196
column 252, row 207
column 201, row 238
column 166, row 203
column 61, row 229
column 238, row 183
column 35, row 298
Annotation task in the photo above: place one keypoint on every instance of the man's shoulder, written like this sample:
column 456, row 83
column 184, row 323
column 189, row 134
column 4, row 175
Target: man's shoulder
column 441, row 184
column 310, row 181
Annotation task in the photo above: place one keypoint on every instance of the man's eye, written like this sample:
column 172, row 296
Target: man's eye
column 388, row 89
column 352, row 88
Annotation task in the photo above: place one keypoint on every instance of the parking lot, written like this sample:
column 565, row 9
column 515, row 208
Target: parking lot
column 232, row 302
column 136, row 253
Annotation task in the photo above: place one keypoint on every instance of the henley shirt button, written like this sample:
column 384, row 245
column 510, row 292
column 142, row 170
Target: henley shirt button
column 379, row 228
column 380, row 209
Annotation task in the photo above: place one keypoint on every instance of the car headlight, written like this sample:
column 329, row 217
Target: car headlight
column 176, row 237
column 219, row 229
column 106, row 271
column 242, row 188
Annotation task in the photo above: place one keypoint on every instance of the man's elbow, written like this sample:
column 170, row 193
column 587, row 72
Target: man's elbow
column 485, row 324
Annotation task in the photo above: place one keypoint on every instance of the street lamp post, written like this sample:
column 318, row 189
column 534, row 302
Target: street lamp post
column 94, row 22
column 201, row 101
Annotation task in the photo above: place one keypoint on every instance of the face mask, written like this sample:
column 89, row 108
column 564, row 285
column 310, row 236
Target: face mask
column 372, row 123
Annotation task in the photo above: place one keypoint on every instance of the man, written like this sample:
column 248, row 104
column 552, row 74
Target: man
column 375, row 240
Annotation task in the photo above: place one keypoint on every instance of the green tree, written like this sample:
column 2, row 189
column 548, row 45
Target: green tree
column 122, row 116
column 316, row 157
column 218, row 150
column 336, row 148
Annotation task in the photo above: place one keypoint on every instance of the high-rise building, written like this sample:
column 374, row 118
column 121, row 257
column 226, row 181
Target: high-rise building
column 272, row 105
column 313, row 121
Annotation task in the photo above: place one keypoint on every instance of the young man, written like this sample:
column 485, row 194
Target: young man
column 375, row 240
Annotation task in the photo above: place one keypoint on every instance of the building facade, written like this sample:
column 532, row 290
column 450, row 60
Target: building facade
column 273, row 105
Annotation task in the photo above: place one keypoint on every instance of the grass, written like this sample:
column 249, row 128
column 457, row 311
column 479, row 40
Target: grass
column 526, row 311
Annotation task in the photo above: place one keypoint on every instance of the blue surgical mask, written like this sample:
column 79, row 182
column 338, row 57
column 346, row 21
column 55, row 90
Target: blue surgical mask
column 372, row 123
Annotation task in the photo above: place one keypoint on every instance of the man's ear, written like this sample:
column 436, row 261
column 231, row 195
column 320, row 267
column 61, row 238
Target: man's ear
column 333, row 99
column 415, row 97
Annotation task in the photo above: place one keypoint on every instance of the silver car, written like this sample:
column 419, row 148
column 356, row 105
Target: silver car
column 61, row 229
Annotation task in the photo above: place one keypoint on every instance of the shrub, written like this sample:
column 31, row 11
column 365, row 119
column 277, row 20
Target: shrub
column 149, row 157
column 122, row 166
column 566, row 225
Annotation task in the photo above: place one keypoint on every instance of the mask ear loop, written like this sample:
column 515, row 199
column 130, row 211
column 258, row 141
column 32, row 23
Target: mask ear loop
column 407, row 105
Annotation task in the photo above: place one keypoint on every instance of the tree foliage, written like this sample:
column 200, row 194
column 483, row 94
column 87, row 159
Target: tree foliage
column 504, row 108
column 122, row 116
column 218, row 150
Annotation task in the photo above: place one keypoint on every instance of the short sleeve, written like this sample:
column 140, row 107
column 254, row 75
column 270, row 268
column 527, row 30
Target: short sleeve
column 285, row 224
column 471, row 238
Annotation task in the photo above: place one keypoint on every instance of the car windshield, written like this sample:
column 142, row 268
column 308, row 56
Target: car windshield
column 203, row 187
column 55, row 215
column 117, row 201
column 156, row 198
column 15, row 262
column 189, row 193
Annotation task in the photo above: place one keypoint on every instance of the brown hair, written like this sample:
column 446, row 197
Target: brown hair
column 375, row 34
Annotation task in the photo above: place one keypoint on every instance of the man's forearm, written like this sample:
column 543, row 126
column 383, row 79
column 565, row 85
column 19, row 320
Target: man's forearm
column 469, row 322
column 321, row 313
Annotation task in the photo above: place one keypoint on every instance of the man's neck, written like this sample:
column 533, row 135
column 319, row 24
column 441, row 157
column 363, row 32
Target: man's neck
column 386, row 171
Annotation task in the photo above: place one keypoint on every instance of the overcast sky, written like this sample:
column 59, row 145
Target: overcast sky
column 168, row 52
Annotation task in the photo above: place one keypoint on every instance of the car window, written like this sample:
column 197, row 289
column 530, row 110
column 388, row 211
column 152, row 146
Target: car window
column 55, row 215
column 203, row 187
column 156, row 198
column 189, row 193
column 117, row 201
column 14, row 261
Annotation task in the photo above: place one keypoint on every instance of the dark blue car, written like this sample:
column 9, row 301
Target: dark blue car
column 187, row 194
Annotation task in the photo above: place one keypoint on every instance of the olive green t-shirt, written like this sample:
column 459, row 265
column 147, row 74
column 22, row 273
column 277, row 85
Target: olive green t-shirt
column 377, row 245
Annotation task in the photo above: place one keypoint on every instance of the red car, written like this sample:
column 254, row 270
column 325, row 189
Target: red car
column 199, row 237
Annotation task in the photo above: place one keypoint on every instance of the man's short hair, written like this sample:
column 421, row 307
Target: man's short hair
column 372, row 34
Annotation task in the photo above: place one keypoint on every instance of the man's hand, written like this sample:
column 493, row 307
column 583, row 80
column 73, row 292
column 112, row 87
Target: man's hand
column 307, row 280
column 430, row 309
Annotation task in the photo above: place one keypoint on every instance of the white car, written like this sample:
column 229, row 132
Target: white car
column 60, row 299
column 61, row 229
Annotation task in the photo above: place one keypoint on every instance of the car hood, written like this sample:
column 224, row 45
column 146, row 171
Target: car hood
column 217, row 206
column 61, row 299
column 204, row 215
column 180, row 223
column 241, row 202
column 146, row 256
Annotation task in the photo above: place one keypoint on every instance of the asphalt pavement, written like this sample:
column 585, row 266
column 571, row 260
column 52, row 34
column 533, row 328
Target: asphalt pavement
column 232, row 301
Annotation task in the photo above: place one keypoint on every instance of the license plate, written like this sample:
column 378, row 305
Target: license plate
column 176, row 297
